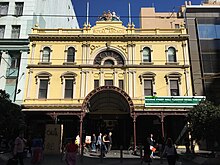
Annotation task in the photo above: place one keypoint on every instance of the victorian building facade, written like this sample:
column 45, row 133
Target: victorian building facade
column 109, row 78
column 16, row 20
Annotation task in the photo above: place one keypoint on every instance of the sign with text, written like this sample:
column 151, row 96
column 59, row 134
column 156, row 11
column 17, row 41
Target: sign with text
column 52, row 139
column 173, row 101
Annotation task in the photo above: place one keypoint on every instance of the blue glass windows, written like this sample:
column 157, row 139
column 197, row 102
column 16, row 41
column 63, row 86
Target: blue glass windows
column 209, row 31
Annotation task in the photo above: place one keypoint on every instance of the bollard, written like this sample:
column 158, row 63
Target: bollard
column 121, row 154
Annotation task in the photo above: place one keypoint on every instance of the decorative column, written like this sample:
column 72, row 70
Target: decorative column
column 130, row 83
column 129, row 53
column 21, row 77
column 32, row 53
column 82, row 86
column 134, row 83
column 86, row 84
column 3, row 68
column 186, row 71
column 84, row 53
column 133, row 53
column 29, row 83
column 101, row 78
column 87, row 53
column 115, row 80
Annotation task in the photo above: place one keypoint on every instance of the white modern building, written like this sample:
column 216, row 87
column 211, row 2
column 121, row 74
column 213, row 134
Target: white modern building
column 17, row 18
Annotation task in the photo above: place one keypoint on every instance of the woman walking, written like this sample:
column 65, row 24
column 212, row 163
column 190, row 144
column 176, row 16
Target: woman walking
column 170, row 152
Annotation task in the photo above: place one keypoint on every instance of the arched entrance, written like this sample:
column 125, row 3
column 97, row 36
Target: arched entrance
column 108, row 109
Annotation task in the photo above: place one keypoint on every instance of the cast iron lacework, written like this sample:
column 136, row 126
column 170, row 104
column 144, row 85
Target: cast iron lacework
column 104, row 56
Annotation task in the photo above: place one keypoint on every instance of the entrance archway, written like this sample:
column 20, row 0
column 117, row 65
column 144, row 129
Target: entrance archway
column 109, row 109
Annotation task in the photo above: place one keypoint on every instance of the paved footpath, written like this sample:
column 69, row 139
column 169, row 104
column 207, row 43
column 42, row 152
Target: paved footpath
column 108, row 160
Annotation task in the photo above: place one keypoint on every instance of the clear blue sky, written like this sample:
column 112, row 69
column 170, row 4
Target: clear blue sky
column 96, row 8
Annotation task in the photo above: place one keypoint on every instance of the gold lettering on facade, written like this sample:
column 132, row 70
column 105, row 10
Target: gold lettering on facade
column 108, row 30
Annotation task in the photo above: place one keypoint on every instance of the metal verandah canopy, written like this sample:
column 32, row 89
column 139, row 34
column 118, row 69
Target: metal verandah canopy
column 173, row 101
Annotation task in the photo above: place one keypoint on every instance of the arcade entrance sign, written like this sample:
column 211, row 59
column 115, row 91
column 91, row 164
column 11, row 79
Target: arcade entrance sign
column 173, row 101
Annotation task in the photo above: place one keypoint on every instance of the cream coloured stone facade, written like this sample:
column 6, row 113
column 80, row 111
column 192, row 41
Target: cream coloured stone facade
column 113, row 69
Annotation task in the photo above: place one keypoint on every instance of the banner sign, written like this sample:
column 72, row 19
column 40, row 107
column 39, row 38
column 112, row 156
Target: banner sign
column 173, row 101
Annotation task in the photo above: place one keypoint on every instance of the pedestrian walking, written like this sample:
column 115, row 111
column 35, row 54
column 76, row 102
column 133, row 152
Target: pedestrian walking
column 151, row 141
column 93, row 142
column 71, row 150
column 147, row 152
column 37, row 150
column 170, row 152
column 109, row 141
column 19, row 148
column 99, row 141
column 105, row 143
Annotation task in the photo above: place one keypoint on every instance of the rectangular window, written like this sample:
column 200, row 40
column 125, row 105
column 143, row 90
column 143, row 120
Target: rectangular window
column 148, row 88
column 2, row 31
column 4, row 8
column 211, row 62
column 15, row 62
column 19, row 8
column 68, row 89
column 43, row 89
column 15, row 32
column 96, row 84
column 207, row 31
column 177, row 26
column 174, row 88
column 108, row 82
column 121, row 84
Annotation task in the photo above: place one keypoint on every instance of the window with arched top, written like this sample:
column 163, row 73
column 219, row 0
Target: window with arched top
column 46, row 54
column 109, row 62
column 146, row 54
column 109, row 57
column 71, row 54
column 171, row 53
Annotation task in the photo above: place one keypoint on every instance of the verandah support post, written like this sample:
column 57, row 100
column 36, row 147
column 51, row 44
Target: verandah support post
column 162, row 123
column 80, row 135
column 134, row 122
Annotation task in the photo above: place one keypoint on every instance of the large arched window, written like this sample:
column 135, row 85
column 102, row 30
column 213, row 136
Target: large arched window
column 171, row 53
column 46, row 54
column 71, row 54
column 108, row 57
column 146, row 54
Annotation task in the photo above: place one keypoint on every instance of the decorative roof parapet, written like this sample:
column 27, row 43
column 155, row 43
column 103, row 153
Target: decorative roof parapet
column 109, row 16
